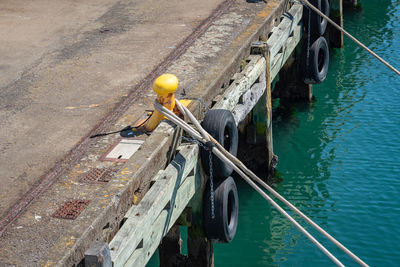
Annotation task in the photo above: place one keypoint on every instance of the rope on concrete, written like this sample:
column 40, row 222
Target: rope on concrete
column 224, row 155
column 307, row 3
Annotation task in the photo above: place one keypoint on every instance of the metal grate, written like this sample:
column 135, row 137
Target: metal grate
column 71, row 209
column 98, row 176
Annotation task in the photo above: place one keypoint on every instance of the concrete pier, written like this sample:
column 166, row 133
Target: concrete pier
column 88, row 69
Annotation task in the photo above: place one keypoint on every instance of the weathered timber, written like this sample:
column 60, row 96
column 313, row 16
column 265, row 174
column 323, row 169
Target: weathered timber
column 290, row 84
column 285, row 38
column 243, row 81
column 220, row 73
column 336, row 14
column 249, row 99
column 170, row 184
column 154, row 233
column 200, row 249
column 262, row 118
column 170, row 248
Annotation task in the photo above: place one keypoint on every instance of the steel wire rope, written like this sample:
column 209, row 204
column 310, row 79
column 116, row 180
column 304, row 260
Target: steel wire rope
column 178, row 121
column 307, row 3
column 184, row 110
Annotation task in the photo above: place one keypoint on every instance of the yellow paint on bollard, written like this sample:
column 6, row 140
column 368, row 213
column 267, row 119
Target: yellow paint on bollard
column 185, row 102
column 165, row 87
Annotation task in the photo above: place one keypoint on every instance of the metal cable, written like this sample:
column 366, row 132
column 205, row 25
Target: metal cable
column 273, row 203
column 174, row 118
column 271, row 190
column 350, row 36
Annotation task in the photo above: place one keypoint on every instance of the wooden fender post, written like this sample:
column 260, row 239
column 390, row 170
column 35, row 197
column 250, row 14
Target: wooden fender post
column 335, row 36
column 165, row 87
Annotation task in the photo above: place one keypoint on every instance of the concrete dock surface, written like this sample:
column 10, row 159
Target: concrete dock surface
column 66, row 67
column 65, row 64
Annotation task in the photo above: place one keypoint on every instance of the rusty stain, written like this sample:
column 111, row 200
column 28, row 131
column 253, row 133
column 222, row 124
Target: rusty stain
column 71, row 209
column 97, row 176
column 125, row 172
column 267, row 10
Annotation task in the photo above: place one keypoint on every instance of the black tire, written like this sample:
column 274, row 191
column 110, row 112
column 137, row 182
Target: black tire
column 222, row 228
column 318, row 63
column 221, row 125
column 318, row 23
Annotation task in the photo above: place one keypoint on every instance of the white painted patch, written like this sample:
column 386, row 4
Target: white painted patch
column 124, row 149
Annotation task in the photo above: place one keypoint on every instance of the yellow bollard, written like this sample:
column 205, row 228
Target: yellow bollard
column 165, row 86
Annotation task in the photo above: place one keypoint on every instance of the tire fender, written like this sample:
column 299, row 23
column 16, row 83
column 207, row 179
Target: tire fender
column 318, row 23
column 317, row 68
column 220, row 124
column 222, row 228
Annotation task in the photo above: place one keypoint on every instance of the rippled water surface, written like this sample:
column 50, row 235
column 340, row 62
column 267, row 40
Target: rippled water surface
column 339, row 160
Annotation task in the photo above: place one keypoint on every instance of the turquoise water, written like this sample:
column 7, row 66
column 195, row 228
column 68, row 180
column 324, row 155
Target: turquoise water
column 339, row 160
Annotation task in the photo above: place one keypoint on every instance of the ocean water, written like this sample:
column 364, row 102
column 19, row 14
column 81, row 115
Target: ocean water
column 339, row 160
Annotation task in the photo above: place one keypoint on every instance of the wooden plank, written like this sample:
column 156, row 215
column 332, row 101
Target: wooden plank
column 163, row 191
column 164, row 222
column 335, row 36
column 243, row 83
column 170, row 247
column 284, row 30
column 249, row 99
column 133, row 210
column 288, row 48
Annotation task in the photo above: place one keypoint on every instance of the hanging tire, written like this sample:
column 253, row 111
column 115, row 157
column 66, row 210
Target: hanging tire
column 222, row 228
column 318, row 24
column 221, row 125
column 316, row 69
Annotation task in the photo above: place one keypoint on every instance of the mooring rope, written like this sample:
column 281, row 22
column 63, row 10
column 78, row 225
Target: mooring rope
column 244, row 172
column 236, row 161
column 307, row 3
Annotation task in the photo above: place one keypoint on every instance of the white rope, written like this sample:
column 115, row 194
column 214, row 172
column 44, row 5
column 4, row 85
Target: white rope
column 231, row 160
column 270, row 189
column 273, row 203
column 350, row 36
column 174, row 118
column 196, row 123
column 178, row 121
